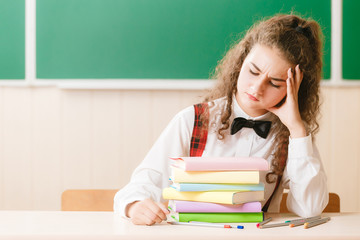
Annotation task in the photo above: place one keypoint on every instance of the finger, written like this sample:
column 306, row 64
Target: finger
column 146, row 216
column 152, row 217
column 164, row 208
column 143, row 214
column 142, row 219
column 298, row 76
column 157, row 207
column 289, row 84
column 159, row 211
column 294, row 82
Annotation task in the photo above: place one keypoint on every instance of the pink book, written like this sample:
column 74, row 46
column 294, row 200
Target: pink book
column 189, row 206
column 220, row 163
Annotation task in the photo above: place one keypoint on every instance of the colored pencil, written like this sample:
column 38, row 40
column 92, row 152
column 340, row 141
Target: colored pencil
column 315, row 223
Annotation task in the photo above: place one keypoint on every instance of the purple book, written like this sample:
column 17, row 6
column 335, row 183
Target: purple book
column 189, row 206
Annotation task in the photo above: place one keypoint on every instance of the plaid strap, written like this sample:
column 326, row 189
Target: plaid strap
column 278, row 180
column 267, row 204
column 199, row 134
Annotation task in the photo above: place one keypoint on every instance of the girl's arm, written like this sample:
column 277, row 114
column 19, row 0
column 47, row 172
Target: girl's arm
column 305, row 177
column 152, row 175
column 304, row 174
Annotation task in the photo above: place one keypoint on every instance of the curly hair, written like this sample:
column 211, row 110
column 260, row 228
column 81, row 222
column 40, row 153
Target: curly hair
column 300, row 42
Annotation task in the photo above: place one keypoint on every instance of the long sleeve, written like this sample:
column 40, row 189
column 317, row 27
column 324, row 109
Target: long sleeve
column 151, row 176
column 305, row 178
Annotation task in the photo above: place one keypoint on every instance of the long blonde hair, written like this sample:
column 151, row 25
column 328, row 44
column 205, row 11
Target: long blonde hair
column 300, row 42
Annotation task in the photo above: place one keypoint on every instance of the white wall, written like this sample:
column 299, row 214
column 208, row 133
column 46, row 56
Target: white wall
column 52, row 140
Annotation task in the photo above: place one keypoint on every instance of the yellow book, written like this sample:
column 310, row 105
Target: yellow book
column 214, row 197
column 242, row 177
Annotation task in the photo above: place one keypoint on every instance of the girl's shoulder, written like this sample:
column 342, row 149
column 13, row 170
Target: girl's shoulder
column 217, row 106
column 186, row 112
column 214, row 106
column 185, row 116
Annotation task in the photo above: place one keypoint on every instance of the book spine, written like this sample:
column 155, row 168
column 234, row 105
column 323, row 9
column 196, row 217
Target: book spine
column 235, row 177
column 214, row 197
column 221, row 164
column 220, row 217
column 188, row 206
column 226, row 166
column 196, row 187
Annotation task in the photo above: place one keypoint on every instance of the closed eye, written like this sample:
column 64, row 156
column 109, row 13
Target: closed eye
column 270, row 82
column 253, row 73
column 274, row 85
column 258, row 69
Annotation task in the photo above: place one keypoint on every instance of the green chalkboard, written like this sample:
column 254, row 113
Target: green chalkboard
column 12, row 39
column 351, row 39
column 151, row 39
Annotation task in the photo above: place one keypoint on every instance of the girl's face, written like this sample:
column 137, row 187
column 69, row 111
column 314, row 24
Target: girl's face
column 262, row 80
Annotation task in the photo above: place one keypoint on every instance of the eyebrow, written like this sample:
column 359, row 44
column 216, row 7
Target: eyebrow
column 275, row 79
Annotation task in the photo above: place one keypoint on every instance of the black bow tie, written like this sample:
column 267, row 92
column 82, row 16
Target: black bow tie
column 261, row 128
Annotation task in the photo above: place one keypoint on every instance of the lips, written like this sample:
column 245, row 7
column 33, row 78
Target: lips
column 251, row 97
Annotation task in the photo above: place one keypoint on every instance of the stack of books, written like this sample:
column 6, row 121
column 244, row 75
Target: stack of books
column 214, row 189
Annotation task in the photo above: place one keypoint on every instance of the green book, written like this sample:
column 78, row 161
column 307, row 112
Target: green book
column 222, row 217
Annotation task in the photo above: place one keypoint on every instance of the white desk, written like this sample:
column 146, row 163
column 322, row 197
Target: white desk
column 107, row 225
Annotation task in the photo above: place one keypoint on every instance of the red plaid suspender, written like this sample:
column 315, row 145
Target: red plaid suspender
column 199, row 135
column 267, row 204
column 278, row 180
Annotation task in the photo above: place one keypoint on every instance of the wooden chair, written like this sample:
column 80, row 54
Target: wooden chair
column 333, row 205
column 88, row 200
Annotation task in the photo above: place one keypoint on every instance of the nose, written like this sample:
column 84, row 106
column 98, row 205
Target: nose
column 258, row 86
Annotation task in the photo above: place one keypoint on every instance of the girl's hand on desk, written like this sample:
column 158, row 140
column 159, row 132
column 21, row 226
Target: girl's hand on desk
column 146, row 212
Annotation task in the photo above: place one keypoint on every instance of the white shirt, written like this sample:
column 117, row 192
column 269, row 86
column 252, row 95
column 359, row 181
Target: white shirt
column 304, row 174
